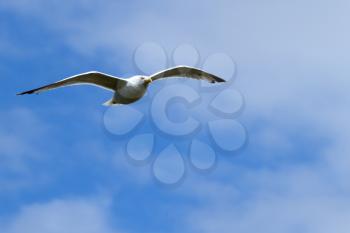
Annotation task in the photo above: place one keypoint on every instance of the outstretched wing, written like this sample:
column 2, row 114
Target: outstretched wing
column 95, row 78
column 188, row 72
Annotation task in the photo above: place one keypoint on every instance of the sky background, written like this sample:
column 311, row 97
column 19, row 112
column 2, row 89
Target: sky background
column 60, row 171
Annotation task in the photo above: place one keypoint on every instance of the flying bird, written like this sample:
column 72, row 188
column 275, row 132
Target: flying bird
column 127, row 90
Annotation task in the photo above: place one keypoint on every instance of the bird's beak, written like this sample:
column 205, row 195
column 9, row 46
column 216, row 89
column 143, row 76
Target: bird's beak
column 148, row 80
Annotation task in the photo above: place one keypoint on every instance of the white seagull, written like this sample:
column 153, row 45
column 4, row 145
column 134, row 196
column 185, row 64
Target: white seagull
column 128, row 90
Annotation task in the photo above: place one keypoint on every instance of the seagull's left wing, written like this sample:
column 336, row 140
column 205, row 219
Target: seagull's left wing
column 188, row 72
column 95, row 78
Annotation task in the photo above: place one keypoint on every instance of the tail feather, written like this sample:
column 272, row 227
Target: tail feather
column 110, row 102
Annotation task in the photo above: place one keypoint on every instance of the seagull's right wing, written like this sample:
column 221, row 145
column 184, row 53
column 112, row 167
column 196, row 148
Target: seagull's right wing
column 187, row 72
column 95, row 78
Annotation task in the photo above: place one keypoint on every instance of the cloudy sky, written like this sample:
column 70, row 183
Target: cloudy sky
column 62, row 170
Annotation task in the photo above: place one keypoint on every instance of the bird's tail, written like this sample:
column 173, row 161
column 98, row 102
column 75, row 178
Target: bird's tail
column 110, row 102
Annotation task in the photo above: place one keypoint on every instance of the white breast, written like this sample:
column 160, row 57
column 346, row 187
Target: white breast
column 132, row 90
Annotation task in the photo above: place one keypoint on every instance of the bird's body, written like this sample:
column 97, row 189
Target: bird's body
column 128, row 90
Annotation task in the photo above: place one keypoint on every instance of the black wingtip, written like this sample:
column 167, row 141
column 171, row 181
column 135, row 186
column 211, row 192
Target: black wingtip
column 25, row 92
column 219, row 80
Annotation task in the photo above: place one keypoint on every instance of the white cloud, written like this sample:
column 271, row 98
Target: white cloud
column 289, row 199
column 69, row 216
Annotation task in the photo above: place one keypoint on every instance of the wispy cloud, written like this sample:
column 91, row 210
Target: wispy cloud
column 21, row 135
column 68, row 215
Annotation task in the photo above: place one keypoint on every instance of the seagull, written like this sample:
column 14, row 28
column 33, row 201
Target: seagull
column 126, row 90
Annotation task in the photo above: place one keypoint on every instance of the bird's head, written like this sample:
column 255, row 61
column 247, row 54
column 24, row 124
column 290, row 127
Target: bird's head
column 145, row 80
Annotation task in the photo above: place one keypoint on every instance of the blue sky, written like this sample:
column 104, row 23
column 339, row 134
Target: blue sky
column 61, row 170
